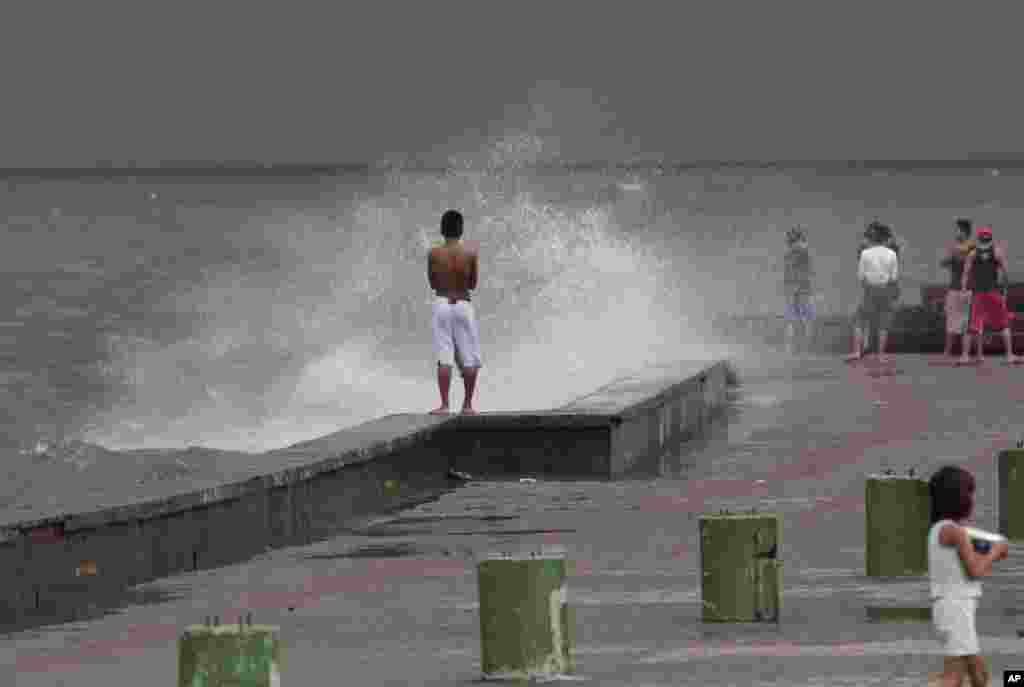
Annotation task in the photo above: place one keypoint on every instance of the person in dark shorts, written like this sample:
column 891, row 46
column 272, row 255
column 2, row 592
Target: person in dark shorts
column 878, row 272
column 957, row 301
column 986, row 265
column 797, row 287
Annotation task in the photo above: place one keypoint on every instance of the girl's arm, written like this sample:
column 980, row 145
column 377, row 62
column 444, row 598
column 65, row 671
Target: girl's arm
column 975, row 564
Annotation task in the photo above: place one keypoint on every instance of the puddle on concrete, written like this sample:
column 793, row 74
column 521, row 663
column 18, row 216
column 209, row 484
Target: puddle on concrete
column 899, row 614
column 770, row 435
column 422, row 519
column 97, row 606
column 509, row 533
column 395, row 529
column 810, row 375
column 370, row 551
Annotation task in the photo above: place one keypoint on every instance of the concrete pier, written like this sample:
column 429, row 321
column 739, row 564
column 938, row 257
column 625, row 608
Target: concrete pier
column 396, row 600
column 252, row 503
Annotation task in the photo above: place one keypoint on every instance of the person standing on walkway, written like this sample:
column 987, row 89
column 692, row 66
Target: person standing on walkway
column 954, row 571
column 957, row 302
column 896, row 244
column 986, row 265
column 878, row 273
column 452, row 270
column 798, row 272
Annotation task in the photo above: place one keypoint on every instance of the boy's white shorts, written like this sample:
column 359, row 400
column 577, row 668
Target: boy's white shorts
column 953, row 620
column 455, row 332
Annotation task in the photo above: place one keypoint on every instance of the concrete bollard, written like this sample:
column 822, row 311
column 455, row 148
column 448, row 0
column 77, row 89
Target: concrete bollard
column 525, row 620
column 1011, row 491
column 239, row 655
column 741, row 574
column 897, row 509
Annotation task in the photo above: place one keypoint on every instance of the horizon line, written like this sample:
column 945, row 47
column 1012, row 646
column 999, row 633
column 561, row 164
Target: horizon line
column 992, row 160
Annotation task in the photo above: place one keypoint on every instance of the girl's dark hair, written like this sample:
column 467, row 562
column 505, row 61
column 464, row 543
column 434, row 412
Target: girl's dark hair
column 878, row 232
column 952, row 492
column 451, row 224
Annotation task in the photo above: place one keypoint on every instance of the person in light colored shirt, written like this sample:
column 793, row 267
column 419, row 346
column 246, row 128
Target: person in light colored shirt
column 878, row 273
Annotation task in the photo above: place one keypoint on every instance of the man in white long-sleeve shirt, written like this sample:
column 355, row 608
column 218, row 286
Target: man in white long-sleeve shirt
column 878, row 272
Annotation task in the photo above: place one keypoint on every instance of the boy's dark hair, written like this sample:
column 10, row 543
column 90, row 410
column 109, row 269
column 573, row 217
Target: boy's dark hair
column 952, row 493
column 451, row 224
column 964, row 224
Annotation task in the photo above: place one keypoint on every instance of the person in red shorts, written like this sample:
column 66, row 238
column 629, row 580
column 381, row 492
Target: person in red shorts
column 986, row 264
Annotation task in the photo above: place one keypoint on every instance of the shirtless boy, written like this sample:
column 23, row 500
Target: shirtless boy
column 957, row 301
column 452, row 271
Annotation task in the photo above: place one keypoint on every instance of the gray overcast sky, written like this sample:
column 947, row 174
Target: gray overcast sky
column 345, row 81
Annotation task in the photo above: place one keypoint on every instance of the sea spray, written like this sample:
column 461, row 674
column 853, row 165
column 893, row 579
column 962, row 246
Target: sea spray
column 339, row 334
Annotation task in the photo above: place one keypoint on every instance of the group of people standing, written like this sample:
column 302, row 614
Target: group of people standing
column 976, row 298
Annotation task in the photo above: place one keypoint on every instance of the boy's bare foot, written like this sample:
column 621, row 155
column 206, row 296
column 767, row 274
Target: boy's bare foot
column 883, row 358
column 852, row 357
column 469, row 411
column 964, row 361
column 443, row 410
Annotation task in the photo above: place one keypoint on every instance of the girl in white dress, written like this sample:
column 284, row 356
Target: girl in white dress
column 955, row 569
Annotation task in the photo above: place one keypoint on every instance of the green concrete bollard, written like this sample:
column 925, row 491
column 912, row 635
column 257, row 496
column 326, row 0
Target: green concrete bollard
column 242, row 655
column 525, row 621
column 1011, row 485
column 741, row 574
column 898, row 510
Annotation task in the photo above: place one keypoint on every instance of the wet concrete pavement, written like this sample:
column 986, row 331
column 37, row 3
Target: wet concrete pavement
column 393, row 601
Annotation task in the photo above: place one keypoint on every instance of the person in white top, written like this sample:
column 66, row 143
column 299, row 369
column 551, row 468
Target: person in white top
column 878, row 272
column 954, row 569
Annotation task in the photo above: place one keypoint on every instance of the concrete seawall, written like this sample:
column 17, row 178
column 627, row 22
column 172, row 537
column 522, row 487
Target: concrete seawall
column 55, row 566
column 610, row 433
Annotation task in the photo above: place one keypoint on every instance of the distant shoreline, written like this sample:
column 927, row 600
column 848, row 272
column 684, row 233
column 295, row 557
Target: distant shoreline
column 329, row 169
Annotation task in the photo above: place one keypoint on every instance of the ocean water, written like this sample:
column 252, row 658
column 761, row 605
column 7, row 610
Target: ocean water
column 253, row 312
